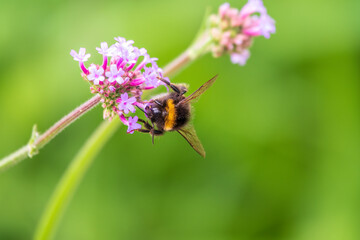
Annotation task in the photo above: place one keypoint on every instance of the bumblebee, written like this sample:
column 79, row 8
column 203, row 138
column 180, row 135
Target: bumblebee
column 172, row 112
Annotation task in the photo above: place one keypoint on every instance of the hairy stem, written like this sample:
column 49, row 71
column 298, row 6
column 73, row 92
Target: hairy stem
column 177, row 64
column 14, row 158
column 66, row 121
column 72, row 177
column 38, row 141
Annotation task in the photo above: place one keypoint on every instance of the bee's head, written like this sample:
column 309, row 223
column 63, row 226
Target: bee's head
column 152, row 111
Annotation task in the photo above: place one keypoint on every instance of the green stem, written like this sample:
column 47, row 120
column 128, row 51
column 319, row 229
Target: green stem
column 14, row 158
column 72, row 177
column 36, row 142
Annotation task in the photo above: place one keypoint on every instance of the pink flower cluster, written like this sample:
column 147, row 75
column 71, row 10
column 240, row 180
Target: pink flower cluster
column 121, row 81
column 233, row 30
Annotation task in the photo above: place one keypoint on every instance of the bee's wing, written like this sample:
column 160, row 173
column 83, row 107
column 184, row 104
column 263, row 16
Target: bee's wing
column 195, row 95
column 189, row 133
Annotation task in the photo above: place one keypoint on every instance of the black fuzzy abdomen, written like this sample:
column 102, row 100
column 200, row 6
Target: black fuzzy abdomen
column 182, row 115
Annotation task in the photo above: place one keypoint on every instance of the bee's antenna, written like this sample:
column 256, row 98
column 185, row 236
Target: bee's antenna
column 141, row 109
column 164, row 80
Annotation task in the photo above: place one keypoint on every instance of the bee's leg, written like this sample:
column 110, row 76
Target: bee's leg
column 146, row 124
column 158, row 103
column 150, row 129
column 153, row 132
column 142, row 130
column 173, row 86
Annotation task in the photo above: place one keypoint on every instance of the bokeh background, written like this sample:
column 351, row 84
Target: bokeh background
column 282, row 133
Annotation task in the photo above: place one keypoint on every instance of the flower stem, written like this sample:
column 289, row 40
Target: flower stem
column 72, row 177
column 177, row 64
column 14, row 158
column 38, row 141
column 66, row 121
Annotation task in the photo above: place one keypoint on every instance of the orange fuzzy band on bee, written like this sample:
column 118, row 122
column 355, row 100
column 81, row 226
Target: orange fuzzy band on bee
column 171, row 117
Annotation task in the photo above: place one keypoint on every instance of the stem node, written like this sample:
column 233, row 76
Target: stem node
column 33, row 150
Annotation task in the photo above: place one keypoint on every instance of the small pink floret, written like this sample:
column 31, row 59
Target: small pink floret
column 96, row 75
column 126, row 103
column 104, row 49
column 81, row 56
column 240, row 58
column 251, row 7
column 115, row 74
column 132, row 124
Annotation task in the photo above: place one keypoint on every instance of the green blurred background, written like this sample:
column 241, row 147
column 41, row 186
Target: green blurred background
column 282, row 133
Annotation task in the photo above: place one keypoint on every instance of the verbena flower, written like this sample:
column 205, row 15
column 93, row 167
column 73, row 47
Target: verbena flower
column 132, row 124
column 81, row 57
column 115, row 74
column 96, row 74
column 120, row 80
column 126, row 104
column 233, row 30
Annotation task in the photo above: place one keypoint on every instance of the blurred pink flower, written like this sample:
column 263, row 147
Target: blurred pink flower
column 233, row 30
